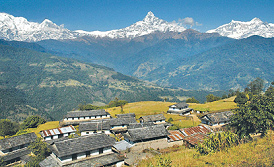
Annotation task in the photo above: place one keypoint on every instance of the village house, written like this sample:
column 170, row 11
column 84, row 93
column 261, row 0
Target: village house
column 83, row 151
column 88, row 128
column 118, row 125
column 194, row 135
column 220, row 118
column 57, row 132
column 76, row 117
column 175, row 137
column 156, row 119
column 180, row 108
column 147, row 137
column 15, row 148
column 128, row 115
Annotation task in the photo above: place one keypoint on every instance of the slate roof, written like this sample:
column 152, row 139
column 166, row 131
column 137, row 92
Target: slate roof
column 81, row 144
column 86, row 113
column 15, row 154
column 140, row 125
column 17, row 140
column 49, row 162
column 180, row 105
column 145, row 133
column 152, row 118
column 197, row 129
column 122, row 145
column 103, row 160
column 128, row 115
column 57, row 131
column 195, row 139
column 94, row 126
column 175, row 135
column 219, row 117
column 121, row 121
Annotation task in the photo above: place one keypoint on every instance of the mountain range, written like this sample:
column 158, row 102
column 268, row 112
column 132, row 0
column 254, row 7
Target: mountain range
column 20, row 29
column 156, row 50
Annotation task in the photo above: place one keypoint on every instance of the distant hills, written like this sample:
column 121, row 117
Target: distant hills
column 33, row 82
column 228, row 66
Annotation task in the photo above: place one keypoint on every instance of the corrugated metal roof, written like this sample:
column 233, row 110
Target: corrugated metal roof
column 195, row 139
column 197, row 129
column 175, row 135
column 57, row 131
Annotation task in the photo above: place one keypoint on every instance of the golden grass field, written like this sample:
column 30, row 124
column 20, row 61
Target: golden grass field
column 220, row 105
column 260, row 152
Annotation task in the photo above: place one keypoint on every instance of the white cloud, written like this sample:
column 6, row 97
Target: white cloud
column 188, row 21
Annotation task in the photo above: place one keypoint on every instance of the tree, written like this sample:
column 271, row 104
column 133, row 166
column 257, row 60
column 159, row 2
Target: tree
column 256, row 86
column 254, row 117
column 118, row 103
column 33, row 122
column 40, row 150
column 211, row 98
column 8, row 128
column 192, row 100
column 241, row 98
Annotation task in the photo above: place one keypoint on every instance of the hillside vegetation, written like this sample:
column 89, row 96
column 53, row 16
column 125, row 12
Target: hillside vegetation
column 260, row 152
column 36, row 83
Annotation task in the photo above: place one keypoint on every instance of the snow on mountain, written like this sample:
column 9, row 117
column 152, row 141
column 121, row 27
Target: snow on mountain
column 148, row 25
column 239, row 30
column 20, row 29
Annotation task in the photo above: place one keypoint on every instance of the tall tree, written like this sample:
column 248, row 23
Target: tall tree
column 33, row 122
column 256, row 86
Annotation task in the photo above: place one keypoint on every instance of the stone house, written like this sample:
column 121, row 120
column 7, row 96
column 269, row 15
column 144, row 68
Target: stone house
column 83, row 151
column 180, row 108
column 220, row 118
column 118, row 125
column 88, row 128
column 147, row 137
column 76, row 117
column 15, row 148
column 156, row 119
column 57, row 132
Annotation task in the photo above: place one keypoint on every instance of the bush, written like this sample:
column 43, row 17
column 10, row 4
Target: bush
column 192, row 100
column 8, row 128
column 217, row 142
column 33, row 122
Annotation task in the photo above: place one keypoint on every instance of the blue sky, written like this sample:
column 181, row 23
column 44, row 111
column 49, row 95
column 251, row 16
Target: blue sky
column 105, row 15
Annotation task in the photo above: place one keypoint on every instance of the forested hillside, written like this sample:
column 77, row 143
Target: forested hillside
column 33, row 82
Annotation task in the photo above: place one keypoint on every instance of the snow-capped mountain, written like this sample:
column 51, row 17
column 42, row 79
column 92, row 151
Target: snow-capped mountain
column 20, row 29
column 239, row 30
column 148, row 25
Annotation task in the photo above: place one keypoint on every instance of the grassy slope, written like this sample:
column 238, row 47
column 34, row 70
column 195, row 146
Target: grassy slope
column 220, row 105
column 256, row 153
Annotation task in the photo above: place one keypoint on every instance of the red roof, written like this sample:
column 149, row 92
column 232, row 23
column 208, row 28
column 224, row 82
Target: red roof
column 195, row 139
column 175, row 135
column 197, row 129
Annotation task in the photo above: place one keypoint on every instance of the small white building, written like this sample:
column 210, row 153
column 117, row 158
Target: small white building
column 179, row 108
column 83, row 151
column 57, row 133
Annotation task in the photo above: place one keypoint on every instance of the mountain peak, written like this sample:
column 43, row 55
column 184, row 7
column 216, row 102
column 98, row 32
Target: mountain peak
column 256, row 20
column 150, row 17
column 240, row 30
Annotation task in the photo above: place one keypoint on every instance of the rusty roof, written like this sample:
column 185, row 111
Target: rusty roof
column 175, row 135
column 195, row 138
column 197, row 129
column 56, row 131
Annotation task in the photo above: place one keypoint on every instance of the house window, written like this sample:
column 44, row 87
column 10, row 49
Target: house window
column 87, row 133
column 60, row 135
column 74, row 157
column 100, row 150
